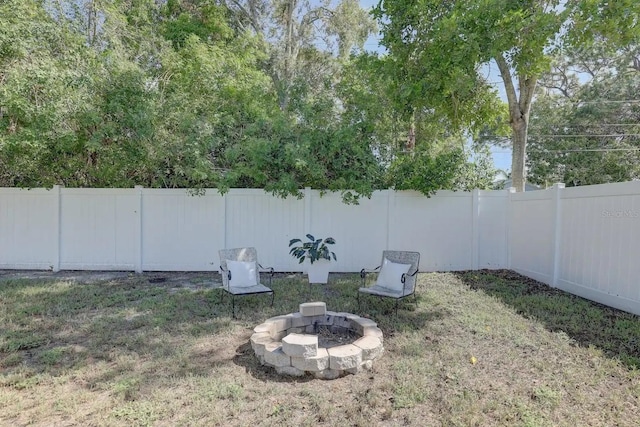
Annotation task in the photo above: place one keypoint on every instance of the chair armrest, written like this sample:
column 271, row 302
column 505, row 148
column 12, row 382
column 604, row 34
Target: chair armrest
column 403, row 279
column 226, row 276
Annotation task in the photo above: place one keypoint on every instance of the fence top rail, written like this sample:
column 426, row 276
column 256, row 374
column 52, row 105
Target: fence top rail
column 630, row 188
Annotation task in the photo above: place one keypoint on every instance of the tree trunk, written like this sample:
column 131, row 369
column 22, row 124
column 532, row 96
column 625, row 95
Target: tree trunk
column 411, row 137
column 519, row 107
column 519, row 137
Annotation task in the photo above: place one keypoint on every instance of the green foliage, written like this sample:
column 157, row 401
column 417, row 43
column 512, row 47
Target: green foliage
column 202, row 18
column 585, row 132
column 477, row 173
column 190, row 94
column 425, row 173
column 313, row 250
column 440, row 50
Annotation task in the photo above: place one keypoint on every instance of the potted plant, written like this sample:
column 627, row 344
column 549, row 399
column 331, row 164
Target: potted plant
column 317, row 252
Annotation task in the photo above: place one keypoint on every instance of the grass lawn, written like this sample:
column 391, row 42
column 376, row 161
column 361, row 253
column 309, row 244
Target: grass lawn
column 478, row 349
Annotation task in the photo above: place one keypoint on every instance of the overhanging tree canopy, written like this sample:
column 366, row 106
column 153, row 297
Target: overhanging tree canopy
column 442, row 49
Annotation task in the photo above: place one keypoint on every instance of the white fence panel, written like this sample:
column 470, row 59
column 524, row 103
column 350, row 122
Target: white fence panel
column 600, row 243
column 531, row 234
column 492, row 229
column 98, row 229
column 28, row 228
column 440, row 228
column 181, row 231
column 255, row 218
column 584, row 240
column 360, row 230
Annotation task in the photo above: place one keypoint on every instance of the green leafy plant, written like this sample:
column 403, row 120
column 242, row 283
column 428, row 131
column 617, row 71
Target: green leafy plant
column 313, row 250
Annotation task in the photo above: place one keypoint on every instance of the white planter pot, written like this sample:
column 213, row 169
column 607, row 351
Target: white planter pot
column 318, row 272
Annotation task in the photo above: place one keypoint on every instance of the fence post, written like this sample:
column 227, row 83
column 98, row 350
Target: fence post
column 512, row 191
column 557, row 217
column 57, row 218
column 139, row 234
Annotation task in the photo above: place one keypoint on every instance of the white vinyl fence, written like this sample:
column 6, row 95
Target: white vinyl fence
column 170, row 230
column 584, row 240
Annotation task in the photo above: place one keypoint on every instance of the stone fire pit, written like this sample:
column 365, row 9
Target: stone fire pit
column 323, row 343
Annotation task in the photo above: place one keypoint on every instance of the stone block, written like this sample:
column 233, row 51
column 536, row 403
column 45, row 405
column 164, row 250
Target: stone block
column 289, row 370
column 341, row 320
column 345, row 357
column 294, row 330
column 300, row 345
column 359, row 324
column 317, row 320
column 279, row 323
column 327, row 374
column 258, row 341
column 275, row 356
column 372, row 331
column 312, row 364
column 263, row 327
column 327, row 320
column 278, row 336
column 354, row 371
column 371, row 347
column 299, row 321
column 317, row 308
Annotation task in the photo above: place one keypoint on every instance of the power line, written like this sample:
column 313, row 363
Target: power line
column 585, row 135
column 577, row 150
column 598, row 124
column 605, row 101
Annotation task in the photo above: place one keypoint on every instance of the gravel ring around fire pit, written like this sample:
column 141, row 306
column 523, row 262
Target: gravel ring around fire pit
column 289, row 343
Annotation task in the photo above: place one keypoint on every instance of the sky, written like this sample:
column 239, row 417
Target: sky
column 501, row 156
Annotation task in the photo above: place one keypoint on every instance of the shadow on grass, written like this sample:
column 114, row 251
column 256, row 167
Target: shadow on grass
column 588, row 323
column 131, row 330
column 58, row 327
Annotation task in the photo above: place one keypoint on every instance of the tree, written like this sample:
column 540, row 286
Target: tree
column 417, row 149
column 182, row 94
column 44, row 88
column 292, row 30
column 443, row 48
column 584, row 123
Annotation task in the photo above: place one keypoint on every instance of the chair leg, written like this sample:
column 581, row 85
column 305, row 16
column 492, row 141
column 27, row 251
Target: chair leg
column 273, row 294
column 233, row 306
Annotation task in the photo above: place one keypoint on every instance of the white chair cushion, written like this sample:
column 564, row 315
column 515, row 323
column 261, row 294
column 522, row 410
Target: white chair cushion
column 243, row 274
column 390, row 275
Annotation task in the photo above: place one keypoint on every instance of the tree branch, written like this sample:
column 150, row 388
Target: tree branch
column 512, row 97
column 527, row 90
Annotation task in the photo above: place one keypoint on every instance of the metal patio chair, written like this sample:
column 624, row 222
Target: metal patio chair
column 240, row 272
column 397, row 274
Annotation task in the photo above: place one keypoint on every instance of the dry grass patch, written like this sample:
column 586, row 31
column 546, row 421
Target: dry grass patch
column 478, row 348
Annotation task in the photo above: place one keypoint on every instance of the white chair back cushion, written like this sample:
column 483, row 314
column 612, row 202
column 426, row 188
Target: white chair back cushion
column 390, row 275
column 243, row 273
